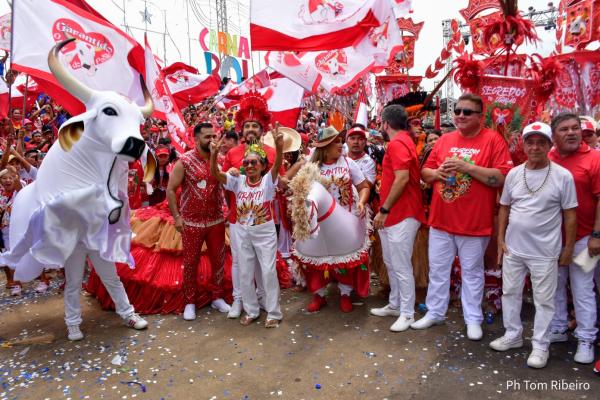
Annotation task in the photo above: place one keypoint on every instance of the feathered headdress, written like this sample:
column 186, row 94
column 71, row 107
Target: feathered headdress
column 545, row 72
column 253, row 107
column 513, row 28
column 467, row 72
column 414, row 103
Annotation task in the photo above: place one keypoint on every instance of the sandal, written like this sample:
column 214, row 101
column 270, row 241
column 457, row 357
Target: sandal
column 271, row 323
column 247, row 320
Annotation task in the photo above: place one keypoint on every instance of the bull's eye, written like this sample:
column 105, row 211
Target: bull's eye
column 110, row 111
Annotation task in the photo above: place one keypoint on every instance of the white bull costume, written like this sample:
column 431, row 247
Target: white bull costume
column 78, row 207
column 328, row 237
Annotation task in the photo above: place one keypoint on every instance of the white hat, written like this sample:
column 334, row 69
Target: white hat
column 539, row 128
column 588, row 123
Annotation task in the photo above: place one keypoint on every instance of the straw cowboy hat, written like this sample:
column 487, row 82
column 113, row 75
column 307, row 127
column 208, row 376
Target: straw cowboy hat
column 291, row 139
column 326, row 136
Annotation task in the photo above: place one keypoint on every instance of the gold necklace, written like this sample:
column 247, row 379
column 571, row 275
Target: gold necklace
column 531, row 191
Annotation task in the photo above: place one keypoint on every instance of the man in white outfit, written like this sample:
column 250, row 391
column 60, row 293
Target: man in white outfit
column 356, row 138
column 538, row 195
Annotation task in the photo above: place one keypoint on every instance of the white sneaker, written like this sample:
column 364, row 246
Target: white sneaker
column 585, row 352
column 219, row 304
column 538, row 358
column 426, row 322
column 385, row 311
column 474, row 331
column 505, row 343
column 558, row 337
column 402, row 323
column 136, row 322
column 235, row 310
column 74, row 333
column 41, row 287
column 189, row 312
column 15, row 290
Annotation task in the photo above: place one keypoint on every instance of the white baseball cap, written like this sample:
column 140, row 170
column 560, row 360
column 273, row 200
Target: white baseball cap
column 588, row 123
column 539, row 128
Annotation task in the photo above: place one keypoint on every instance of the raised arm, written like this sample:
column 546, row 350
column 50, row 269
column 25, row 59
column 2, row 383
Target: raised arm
column 278, row 153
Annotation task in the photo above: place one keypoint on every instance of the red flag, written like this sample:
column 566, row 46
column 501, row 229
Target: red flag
column 188, row 86
column 312, row 25
column 284, row 99
column 101, row 52
column 165, row 107
column 361, row 114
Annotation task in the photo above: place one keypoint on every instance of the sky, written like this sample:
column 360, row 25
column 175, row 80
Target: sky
column 202, row 13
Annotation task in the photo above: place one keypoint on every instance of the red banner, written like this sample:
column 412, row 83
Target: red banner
column 477, row 27
column 583, row 23
column 392, row 87
column 578, row 84
column 510, row 103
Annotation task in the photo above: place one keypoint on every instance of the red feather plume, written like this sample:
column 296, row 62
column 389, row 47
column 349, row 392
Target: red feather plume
column 544, row 71
column 468, row 72
column 513, row 29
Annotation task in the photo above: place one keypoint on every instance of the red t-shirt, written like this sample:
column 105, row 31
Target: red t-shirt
column 233, row 159
column 135, row 180
column 467, row 207
column 584, row 165
column 401, row 154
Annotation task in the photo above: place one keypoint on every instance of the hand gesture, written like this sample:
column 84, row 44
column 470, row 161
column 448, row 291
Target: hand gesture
column 216, row 145
column 278, row 137
column 233, row 171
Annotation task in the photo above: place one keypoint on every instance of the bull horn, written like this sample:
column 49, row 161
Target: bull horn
column 150, row 167
column 62, row 75
column 148, row 104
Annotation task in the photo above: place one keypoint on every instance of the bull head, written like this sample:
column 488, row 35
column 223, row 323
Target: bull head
column 109, row 115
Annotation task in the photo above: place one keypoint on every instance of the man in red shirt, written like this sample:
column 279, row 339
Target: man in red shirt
column 200, row 218
column 399, row 217
column 575, row 155
column 466, row 168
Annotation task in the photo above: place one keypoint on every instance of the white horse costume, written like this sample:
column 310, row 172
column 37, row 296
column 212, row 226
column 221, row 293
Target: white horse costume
column 78, row 203
column 327, row 235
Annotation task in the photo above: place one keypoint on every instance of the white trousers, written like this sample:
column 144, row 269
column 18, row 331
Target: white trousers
column 107, row 272
column 443, row 247
column 584, row 298
column 397, row 246
column 234, row 243
column 258, row 245
column 544, row 275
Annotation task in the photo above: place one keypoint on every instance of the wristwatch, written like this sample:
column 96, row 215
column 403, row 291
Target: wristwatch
column 596, row 234
column 384, row 210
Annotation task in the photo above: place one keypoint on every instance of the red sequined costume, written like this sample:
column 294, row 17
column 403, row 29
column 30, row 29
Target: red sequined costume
column 201, row 207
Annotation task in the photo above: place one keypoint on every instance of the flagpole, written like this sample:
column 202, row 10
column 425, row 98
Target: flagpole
column 12, row 39
column 25, row 99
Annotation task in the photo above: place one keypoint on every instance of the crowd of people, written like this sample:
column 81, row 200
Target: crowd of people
column 443, row 211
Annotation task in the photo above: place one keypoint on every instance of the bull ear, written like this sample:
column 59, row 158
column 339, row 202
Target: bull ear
column 149, row 166
column 70, row 132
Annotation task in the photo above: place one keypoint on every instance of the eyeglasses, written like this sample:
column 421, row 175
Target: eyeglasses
column 246, row 163
column 465, row 111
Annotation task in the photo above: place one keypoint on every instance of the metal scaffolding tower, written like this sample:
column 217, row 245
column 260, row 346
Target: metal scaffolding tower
column 221, row 15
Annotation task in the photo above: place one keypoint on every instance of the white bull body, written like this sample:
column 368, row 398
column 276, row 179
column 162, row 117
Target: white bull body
column 80, row 193
column 325, row 231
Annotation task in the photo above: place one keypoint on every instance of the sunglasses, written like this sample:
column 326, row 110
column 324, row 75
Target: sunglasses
column 465, row 111
column 246, row 163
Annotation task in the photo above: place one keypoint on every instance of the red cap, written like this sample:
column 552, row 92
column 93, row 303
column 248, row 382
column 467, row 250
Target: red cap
column 162, row 151
column 587, row 126
column 154, row 128
column 356, row 131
